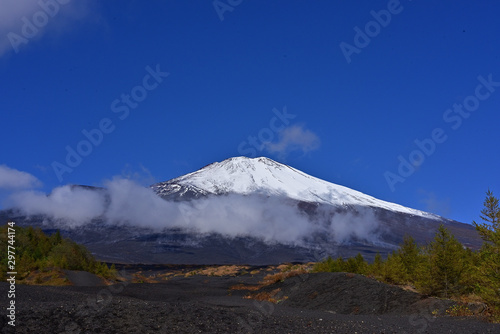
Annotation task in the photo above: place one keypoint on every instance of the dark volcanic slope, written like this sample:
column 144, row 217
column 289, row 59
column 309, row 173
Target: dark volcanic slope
column 129, row 244
column 206, row 305
column 332, row 220
column 347, row 293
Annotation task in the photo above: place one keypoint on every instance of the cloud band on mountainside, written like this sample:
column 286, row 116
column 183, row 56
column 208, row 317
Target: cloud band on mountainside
column 124, row 202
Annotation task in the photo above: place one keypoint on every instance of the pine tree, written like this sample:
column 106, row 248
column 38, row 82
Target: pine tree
column 375, row 268
column 410, row 256
column 490, row 230
column 489, row 268
column 356, row 265
column 446, row 260
column 56, row 238
column 394, row 270
column 330, row 265
column 470, row 277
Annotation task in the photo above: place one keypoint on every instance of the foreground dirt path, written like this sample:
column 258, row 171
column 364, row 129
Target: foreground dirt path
column 201, row 304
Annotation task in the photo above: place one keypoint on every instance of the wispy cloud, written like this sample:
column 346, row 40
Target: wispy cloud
column 22, row 21
column 140, row 175
column 433, row 204
column 12, row 10
column 14, row 179
column 294, row 138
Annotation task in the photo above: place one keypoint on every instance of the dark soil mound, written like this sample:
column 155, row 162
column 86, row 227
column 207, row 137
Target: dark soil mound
column 83, row 278
column 348, row 294
column 201, row 304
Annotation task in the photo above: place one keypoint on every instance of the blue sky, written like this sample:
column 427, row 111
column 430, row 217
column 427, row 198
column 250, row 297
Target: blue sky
column 343, row 91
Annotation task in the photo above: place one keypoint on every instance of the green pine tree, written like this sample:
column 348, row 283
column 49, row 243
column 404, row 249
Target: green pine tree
column 356, row 265
column 411, row 257
column 56, row 238
column 489, row 267
column 446, row 263
column 490, row 229
column 394, row 271
column 375, row 268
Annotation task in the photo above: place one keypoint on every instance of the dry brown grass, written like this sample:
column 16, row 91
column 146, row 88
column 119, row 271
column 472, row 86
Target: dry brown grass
column 266, row 296
column 246, row 287
column 408, row 287
column 285, row 271
column 471, row 298
column 280, row 277
column 157, row 277
column 232, row 270
column 284, row 267
column 50, row 276
column 138, row 277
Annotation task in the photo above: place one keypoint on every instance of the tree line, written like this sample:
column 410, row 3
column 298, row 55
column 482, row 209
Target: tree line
column 34, row 250
column 441, row 268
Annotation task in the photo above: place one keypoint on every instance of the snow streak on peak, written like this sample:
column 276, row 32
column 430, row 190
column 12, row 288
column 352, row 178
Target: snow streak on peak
column 245, row 176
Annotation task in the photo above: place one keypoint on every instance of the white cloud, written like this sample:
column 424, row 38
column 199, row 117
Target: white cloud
column 294, row 138
column 24, row 20
column 75, row 205
column 133, row 204
column 14, row 179
column 266, row 218
column 362, row 226
column 124, row 202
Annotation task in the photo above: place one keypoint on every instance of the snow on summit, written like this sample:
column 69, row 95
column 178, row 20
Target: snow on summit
column 245, row 176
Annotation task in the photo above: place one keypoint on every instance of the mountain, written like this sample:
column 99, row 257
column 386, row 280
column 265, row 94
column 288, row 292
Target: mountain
column 243, row 210
column 246, row 176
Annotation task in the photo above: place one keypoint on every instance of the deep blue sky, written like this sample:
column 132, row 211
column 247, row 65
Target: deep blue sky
column 353, row 119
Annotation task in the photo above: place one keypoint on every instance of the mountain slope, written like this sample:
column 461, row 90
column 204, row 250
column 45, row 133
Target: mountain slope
column 241, row 210
column 264, row 176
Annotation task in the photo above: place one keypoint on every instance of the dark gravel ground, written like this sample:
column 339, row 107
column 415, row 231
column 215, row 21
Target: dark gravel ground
column 312, row 303
column 83, row 278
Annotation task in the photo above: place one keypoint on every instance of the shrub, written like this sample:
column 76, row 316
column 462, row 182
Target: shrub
column 37, row 251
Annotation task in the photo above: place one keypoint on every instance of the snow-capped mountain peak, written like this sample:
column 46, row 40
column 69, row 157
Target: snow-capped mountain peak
column 245, row 176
